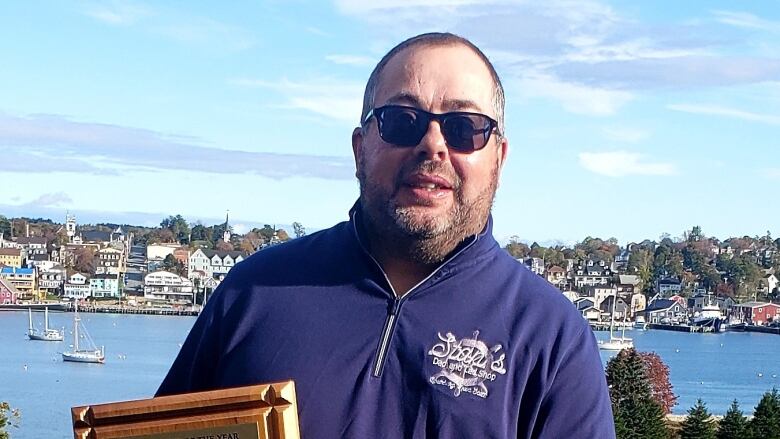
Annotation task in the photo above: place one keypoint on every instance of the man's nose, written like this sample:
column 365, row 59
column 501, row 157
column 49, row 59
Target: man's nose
column 433, row 146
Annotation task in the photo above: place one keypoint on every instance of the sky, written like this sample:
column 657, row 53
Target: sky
column 625, row 119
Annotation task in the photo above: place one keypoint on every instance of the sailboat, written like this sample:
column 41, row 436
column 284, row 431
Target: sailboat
column 81, row 355
column 616, row 343
column 47, row 334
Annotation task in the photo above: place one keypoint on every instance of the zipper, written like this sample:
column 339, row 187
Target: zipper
column 395, row 306
column 387, row 334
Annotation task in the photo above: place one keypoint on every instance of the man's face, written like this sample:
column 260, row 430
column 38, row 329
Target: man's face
column 430, row 192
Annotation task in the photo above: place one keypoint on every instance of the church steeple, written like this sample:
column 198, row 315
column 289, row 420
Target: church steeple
column 226, row 234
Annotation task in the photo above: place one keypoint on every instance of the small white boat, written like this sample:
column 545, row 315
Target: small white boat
column 616, row 343
column 81, row 355
column 639, row 323
column 47, row 334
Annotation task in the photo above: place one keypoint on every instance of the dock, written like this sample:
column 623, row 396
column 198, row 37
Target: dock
column 679, row 328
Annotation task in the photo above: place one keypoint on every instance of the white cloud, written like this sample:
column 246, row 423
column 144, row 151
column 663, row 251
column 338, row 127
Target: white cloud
column 118, row 13
column 746, row 20
column 716, row 110
column 576, row 98
column 624, row 134
column 54, row 199
column 46, row 144
column 327, row 97
column 623, row 163
column 351, row 60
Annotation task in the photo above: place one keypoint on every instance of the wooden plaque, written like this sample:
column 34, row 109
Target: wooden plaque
column 263, row 411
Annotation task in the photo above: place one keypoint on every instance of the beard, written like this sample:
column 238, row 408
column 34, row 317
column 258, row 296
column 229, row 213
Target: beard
column 425, row 238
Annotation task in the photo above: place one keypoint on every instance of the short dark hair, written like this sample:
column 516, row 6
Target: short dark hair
column 427, row 40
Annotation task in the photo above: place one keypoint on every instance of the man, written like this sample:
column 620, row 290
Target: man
column 409, row 320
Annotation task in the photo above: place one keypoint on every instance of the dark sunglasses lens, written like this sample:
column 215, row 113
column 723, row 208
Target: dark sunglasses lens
column 402, row 126
column 466, row 132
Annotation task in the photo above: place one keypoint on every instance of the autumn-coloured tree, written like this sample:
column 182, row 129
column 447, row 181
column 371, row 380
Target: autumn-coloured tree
column 658, row 375
column 250, row 242
column 517, row 249
column 637, row 415
column 84, row 260
column 224, row 246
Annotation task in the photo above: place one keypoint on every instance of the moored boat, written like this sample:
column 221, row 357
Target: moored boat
column 47, row 334
column 90, row 354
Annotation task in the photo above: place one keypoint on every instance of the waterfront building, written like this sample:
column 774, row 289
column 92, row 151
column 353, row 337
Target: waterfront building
column 665, row 311
column 104, row 285
column 162, row 285
column 76, row 287
column 592, row 273
column 535, row 264
column 51, row 280
column 638, row 303
column 557, row 276
column 8, row 293
column 11, row 257
column 211, row 263
column 598, row 292
column 620, row 307
column 757, row 313
column 668, row 286
column 110, row 261
column 23, row 279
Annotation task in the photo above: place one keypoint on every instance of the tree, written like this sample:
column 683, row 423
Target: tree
column 224, row 246
column 733, row 425
column 516, row 248
column 5, row 227
column 698, row 424
column 173, row 265
column 660, row 385
column 637, row 415
column 160, row 236
column 8, row 418
column 766, row 417
column 178, row 227
column 84, row 260
column 298, row 229
column 250, row 242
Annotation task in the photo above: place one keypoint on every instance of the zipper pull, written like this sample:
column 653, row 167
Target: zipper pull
column 392, row 308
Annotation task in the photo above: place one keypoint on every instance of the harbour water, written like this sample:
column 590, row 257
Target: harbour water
column 140, row 348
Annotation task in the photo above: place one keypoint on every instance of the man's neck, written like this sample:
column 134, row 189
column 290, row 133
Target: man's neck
column 401, row 270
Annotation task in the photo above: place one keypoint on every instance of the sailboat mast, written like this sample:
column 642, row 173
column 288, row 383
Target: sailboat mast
column 46, row 319
column 76, row 332
column 29, row 311
column 612, row 316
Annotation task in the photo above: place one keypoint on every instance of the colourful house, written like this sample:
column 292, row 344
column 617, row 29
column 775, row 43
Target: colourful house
column 8, row 293
column 758, row 313
column 11, row 257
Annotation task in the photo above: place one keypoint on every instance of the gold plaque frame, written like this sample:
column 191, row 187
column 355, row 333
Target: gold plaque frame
column 263, row 411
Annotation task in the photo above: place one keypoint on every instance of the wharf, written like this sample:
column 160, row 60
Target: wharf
column 115, row 309
column 679, row 328
column 54, row 306
column 763, row 329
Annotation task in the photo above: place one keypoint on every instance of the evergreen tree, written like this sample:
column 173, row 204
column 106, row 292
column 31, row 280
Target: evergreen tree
column 698, row 424
column 766, row 417
column 637, row 414
column 733, row 425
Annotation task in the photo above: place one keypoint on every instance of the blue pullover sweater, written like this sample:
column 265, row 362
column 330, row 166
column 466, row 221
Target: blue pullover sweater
column 482, row 348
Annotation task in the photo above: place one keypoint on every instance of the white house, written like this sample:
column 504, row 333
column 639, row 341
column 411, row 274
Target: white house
column 110, row 261
column 163, row 285
column 76, row 287
column 104, row 285
column 212, row 263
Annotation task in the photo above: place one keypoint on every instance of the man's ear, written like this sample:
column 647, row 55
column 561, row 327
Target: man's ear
column 502, row 152
column 357, row 146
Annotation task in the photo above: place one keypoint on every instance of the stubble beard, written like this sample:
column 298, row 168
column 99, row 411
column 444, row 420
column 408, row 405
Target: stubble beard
column 424, row 238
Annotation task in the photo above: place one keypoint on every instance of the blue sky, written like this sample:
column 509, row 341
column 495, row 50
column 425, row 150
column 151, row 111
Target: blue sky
column 627, row 119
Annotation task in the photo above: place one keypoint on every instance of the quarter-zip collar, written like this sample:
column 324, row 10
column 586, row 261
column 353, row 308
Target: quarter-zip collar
column 469, row 252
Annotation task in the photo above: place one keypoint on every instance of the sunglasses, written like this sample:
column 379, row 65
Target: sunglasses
column 406, row 126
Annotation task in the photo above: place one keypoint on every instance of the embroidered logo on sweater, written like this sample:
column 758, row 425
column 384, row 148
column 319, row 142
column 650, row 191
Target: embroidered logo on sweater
column 467, row 364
